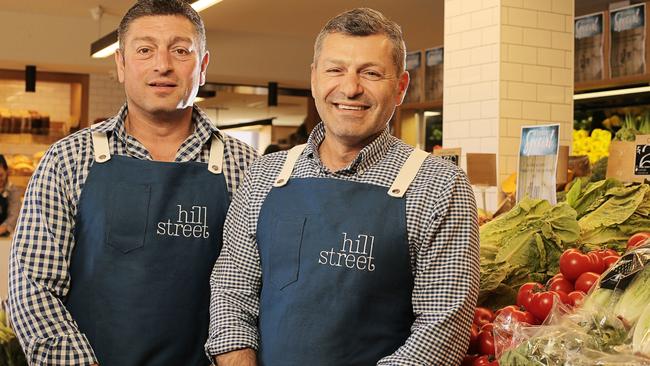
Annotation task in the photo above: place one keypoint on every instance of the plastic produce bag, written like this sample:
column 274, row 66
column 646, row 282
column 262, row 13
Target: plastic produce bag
column 611, row 328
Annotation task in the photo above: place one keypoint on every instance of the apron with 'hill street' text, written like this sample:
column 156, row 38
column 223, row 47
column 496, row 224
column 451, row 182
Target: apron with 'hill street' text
column 336, row 272
column 147, row 236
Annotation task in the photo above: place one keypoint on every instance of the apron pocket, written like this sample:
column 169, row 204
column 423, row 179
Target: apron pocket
column 284, row 259
column 128, row 212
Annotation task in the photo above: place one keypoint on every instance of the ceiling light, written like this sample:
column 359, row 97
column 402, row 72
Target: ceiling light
column 200, row 5
column 609, row 93
column 108, row 44
column 431, row 113
column 104, row 46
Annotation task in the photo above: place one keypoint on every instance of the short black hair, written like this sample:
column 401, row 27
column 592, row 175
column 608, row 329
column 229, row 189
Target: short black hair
column 145, row 8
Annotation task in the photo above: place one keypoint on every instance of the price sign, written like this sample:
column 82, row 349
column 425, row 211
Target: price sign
column 452, row 154
column 642, row 156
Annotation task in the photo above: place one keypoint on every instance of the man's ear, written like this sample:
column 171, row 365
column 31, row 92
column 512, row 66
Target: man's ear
column 313, row 78
column 119, row 63
column 204, row 67
column 402, row 86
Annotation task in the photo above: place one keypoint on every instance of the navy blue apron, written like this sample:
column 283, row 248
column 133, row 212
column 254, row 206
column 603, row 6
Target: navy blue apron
column 147, row 236
column 336, row 270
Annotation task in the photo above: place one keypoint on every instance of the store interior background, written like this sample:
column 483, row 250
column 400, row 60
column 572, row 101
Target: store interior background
column 256, row 42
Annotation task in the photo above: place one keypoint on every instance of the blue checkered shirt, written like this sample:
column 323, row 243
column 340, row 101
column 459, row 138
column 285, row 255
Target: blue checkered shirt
column 443, row 244
column 43, row 241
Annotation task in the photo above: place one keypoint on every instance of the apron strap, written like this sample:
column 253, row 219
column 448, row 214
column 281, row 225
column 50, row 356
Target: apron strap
column 289, row 163
column 407, row 173
column 100, row 146
column 215, row 161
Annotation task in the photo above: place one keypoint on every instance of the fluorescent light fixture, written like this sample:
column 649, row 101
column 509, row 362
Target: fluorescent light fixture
column 200, row 5
column 104, row 46
column 108, row 44
column 609, row 93
column 431, row 113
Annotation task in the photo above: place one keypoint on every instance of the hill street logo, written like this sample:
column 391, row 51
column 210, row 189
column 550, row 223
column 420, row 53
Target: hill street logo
column 192, row 223
column 354, row 254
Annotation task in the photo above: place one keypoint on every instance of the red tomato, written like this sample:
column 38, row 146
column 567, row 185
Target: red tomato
column 473, row 339
column 486, row 342
column 468, row 360
column 525, row 293
column 482, row 316
column 606, row 253
column 576, row 298
column 514, row 312
column 560, row 284
column 573, row 263
column 636, row 240
column 485, row 360
column 598, row 266
column 610, row 260
column 542, row 303
column 586, row 281
column 489, row 327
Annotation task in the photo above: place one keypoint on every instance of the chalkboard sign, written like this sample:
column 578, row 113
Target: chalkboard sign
column 642, row 160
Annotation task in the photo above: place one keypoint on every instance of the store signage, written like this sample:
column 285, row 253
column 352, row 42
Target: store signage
column 642, row 155
column 452, row 154
column 538, row 158
column 433, row 73
column 589, row 26
column 482, row 169
column 627, row 51
column 629, row 161
column 588, row 47
column 414, row 67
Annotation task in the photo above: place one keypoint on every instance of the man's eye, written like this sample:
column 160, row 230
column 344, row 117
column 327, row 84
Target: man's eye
column 372, row 75
column 333, row 71
column 182, row 51
column 143, row 51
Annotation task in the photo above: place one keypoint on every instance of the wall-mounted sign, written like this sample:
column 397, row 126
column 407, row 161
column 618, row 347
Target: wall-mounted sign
column 414, row 67
column 627, row 29
column 433, row 71
column 538, row 153
column 589, row 58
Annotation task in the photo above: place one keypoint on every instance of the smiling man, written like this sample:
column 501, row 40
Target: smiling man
column 354, row 249
column 122, row 222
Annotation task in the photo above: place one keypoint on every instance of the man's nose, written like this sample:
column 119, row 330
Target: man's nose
column 351, row 85
column 163, row 62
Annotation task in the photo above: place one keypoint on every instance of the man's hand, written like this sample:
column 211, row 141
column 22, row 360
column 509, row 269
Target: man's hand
column 240, row 357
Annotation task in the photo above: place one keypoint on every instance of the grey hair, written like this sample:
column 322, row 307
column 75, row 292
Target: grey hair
column 145, row 8
column 362, row 22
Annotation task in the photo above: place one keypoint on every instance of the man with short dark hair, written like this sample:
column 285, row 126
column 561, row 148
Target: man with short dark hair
column 122, row 222
column 354, row 249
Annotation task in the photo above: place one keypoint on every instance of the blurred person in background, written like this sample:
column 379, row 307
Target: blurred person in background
column 9, row 200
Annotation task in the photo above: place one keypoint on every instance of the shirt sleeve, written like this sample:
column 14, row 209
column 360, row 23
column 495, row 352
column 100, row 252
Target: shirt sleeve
column 235, row 281
column 13, row 209
column 446, row 282
column 39, row 278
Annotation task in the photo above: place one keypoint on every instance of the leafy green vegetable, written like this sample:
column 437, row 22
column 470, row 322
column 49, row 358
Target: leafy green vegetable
column 634, row 298
column 641, row 338
column 524, row 245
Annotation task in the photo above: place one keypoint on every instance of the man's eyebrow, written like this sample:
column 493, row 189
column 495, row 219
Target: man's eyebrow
column 176, row 39
column 341, row 62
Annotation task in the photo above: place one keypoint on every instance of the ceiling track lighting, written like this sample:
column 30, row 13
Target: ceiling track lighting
column 108, row 44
